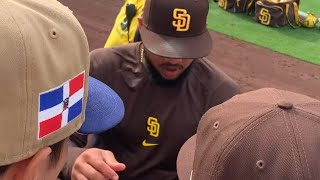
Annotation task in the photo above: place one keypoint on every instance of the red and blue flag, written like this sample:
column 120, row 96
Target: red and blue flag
column 60, row 105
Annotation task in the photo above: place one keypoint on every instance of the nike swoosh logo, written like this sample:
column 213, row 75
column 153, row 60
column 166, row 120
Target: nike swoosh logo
column 144, row 143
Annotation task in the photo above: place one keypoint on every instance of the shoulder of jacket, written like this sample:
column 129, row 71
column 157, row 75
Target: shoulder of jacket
column 208, row 75
column 126, row 52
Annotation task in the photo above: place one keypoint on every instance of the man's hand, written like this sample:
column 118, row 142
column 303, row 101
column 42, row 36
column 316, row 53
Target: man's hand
column 96, row 164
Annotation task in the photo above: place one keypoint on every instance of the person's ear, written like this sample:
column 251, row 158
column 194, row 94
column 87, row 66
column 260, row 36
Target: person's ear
column 16, row 170
column 38, row 164
column 34, row 167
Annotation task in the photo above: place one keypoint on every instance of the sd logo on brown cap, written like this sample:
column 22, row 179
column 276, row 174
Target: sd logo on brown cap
column 180, row 32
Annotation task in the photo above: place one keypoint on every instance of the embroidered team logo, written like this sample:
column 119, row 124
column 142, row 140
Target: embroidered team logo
column 264, row 16
column 181, row 19
column 60, row 105
column 154, row 129
column 238, row 2
column 223, row 4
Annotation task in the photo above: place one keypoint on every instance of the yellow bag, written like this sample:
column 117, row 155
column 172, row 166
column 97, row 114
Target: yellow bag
column 308, row 19
column 119, row 34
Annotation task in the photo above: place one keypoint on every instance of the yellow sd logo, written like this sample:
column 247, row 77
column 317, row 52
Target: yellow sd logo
column 223, row 4
column 264, row 16
column 153, row 126
column 182, row 19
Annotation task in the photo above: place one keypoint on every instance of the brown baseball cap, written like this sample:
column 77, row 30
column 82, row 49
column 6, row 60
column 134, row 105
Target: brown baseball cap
column 263, row 134
column 176, row 28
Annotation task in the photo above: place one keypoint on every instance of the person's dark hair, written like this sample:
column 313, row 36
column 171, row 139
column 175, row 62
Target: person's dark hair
column 3, row 169
column 56, row 151
column 54, row 156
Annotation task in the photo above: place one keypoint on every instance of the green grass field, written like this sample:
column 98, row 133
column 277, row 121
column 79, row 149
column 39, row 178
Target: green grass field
column 301, row 43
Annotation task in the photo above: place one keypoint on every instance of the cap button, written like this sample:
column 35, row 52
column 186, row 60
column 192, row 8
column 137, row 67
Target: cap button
column 285, row 105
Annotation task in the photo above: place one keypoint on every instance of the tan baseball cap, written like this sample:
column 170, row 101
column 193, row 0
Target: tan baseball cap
column 44, row 69
column 176, row 28
column 263, row 134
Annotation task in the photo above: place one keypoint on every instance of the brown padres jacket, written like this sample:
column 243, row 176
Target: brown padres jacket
column 159, row 118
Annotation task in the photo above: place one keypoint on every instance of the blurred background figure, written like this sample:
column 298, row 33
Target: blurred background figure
column 125, row 28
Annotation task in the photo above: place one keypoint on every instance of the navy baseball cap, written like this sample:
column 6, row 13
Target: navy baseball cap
column 104, row 109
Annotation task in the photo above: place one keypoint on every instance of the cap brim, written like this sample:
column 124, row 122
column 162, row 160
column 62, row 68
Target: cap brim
column 104, row 108
column 175, row 47
column 185, row 158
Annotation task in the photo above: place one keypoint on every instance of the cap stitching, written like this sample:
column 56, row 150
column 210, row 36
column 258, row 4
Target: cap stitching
column 288, row 130
column 292, row 145
column 307, row 103
column 28, row 153
column 304, row 152
column 312, row 114
column 24, row 46
column 241, row 135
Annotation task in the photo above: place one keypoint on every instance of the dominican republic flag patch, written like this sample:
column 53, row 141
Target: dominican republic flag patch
column 60, row 105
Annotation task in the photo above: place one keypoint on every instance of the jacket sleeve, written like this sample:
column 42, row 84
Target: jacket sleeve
column 219, row 86
column 105, row 64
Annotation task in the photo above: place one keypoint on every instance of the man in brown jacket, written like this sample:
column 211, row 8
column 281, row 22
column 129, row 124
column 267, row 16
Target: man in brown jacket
column 166, row 86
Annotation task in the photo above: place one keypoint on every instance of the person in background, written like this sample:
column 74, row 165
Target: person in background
column 125, row 28
column 166, row 84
